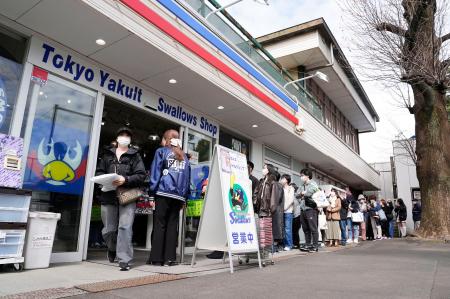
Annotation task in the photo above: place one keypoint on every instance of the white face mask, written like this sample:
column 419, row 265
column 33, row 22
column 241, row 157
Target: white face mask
column 123, row 141
column 265, row 171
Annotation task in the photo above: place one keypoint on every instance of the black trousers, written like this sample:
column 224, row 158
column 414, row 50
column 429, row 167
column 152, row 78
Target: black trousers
column 165, row 229
column 296, row 225
column 309, row 220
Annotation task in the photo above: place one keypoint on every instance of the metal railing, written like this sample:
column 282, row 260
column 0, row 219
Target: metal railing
column 249, row 48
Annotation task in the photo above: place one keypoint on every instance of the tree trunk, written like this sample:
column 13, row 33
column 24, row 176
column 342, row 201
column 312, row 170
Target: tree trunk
column 433, row 160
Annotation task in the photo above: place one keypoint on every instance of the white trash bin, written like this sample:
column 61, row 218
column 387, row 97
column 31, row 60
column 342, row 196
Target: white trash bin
column 39, row 239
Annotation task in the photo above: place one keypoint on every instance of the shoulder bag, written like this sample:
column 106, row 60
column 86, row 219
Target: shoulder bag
column 127, row 195
column 357, row 217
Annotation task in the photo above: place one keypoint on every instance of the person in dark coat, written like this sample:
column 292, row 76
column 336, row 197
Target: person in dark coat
column 118, row 219
column 400, row 210
column 417, row 214
column 278, row 216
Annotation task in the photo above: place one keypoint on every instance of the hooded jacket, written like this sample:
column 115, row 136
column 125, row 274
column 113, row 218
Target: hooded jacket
column 130, row 166
column 168, row 176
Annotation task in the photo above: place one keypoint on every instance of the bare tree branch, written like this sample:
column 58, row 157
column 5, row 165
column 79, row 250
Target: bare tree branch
column 445, row 37
column 391, row 28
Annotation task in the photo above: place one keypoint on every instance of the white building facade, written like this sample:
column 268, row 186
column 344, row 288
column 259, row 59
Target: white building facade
column 75, row 71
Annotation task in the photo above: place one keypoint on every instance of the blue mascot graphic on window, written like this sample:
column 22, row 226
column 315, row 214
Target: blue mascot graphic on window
column 59, row 167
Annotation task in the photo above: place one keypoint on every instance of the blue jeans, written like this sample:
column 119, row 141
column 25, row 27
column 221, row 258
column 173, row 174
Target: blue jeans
column 288, row 230
column 343, row 225
column 391, row 228
column 353, row 229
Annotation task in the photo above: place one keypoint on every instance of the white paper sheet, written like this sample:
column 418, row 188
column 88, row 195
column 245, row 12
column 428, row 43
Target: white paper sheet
column 106, row 181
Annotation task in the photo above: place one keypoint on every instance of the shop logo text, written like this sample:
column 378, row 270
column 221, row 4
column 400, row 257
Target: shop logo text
column 79, row 71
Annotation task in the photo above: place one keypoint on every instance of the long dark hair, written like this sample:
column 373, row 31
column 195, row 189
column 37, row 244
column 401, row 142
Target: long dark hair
column 273, row 173
column 169, row 135
column 400, row 202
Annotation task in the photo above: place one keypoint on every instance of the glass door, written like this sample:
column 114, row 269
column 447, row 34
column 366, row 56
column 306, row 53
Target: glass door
column 57, row 140
column 199, row 148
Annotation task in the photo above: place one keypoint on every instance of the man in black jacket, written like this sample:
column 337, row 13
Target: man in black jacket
column 118, row 219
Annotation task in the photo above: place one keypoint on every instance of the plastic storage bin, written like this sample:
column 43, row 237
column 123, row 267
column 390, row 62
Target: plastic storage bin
column 11, row 243
column 14, row 208
column 40, row 237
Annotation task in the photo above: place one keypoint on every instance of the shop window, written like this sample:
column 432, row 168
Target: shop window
column 12, row 51
column 235, row 143
column 57, row 136
column 277, row 157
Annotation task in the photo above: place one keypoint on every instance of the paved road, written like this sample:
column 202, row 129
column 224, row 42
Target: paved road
column 381, row 269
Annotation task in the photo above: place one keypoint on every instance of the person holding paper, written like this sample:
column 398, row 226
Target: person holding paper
column 169, row 183
column 118, row 219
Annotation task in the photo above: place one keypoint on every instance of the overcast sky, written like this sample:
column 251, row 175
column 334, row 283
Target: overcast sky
column 261, row 19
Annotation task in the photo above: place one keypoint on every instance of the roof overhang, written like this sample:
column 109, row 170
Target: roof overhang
column 309, row 45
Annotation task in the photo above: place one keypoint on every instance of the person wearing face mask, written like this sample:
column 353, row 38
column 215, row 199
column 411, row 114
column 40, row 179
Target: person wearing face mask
column 309, row 214
column 118, row 219
column 363, row 209
column 267, row 198
column 333, row 218
column 170, row 184
column 288, row 210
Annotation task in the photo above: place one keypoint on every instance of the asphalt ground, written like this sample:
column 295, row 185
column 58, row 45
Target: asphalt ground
column 379, row 269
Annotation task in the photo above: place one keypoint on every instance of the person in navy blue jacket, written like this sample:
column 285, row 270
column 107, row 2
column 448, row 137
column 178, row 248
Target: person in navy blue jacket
column 169, row 184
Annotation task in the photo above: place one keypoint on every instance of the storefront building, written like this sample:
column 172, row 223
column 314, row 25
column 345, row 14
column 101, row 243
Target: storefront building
column 150, row 65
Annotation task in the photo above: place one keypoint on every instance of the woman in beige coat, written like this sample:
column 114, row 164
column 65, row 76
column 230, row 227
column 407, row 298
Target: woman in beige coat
column 333, row 217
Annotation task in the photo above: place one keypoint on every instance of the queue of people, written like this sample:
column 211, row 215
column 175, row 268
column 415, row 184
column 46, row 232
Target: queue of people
column 337, row 217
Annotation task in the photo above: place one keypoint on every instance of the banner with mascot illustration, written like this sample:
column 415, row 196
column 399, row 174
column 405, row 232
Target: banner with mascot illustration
column 228, row 221
column 57, row 158
column 237, row 196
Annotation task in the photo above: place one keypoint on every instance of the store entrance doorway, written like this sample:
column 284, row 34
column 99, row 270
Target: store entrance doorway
column 147, row 133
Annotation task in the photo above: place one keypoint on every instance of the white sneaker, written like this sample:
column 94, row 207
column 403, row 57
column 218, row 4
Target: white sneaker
column 355, row 241
column 349, row 241
column 287, row 249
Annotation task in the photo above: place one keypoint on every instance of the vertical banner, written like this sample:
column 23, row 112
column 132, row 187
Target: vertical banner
column 228, row 220
column 237, row 201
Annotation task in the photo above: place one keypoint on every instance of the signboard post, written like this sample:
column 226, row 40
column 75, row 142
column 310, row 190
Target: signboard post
column 227, row 223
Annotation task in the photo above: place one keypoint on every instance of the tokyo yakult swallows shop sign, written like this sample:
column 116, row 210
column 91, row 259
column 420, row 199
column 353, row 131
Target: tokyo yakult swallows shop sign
column 49, row 56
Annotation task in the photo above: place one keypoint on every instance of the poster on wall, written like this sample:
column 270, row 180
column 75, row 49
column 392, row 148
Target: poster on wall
column 236, row 145
column 228, row 221
column 57, row 158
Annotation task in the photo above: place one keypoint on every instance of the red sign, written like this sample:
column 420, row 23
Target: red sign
column 39, row 76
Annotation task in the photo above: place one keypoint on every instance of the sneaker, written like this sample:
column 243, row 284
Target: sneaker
column 111, row 255
column 313, row 249
column 124, row 266
column 322, row 244
column 216, row 255
column 171, row 263
column 287, row 248
column 356, row 241
column 304, row 248
column 349, row 241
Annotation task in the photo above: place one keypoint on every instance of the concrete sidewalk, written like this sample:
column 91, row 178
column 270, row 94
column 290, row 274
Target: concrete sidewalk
column 381, row 269
column 59, row 280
